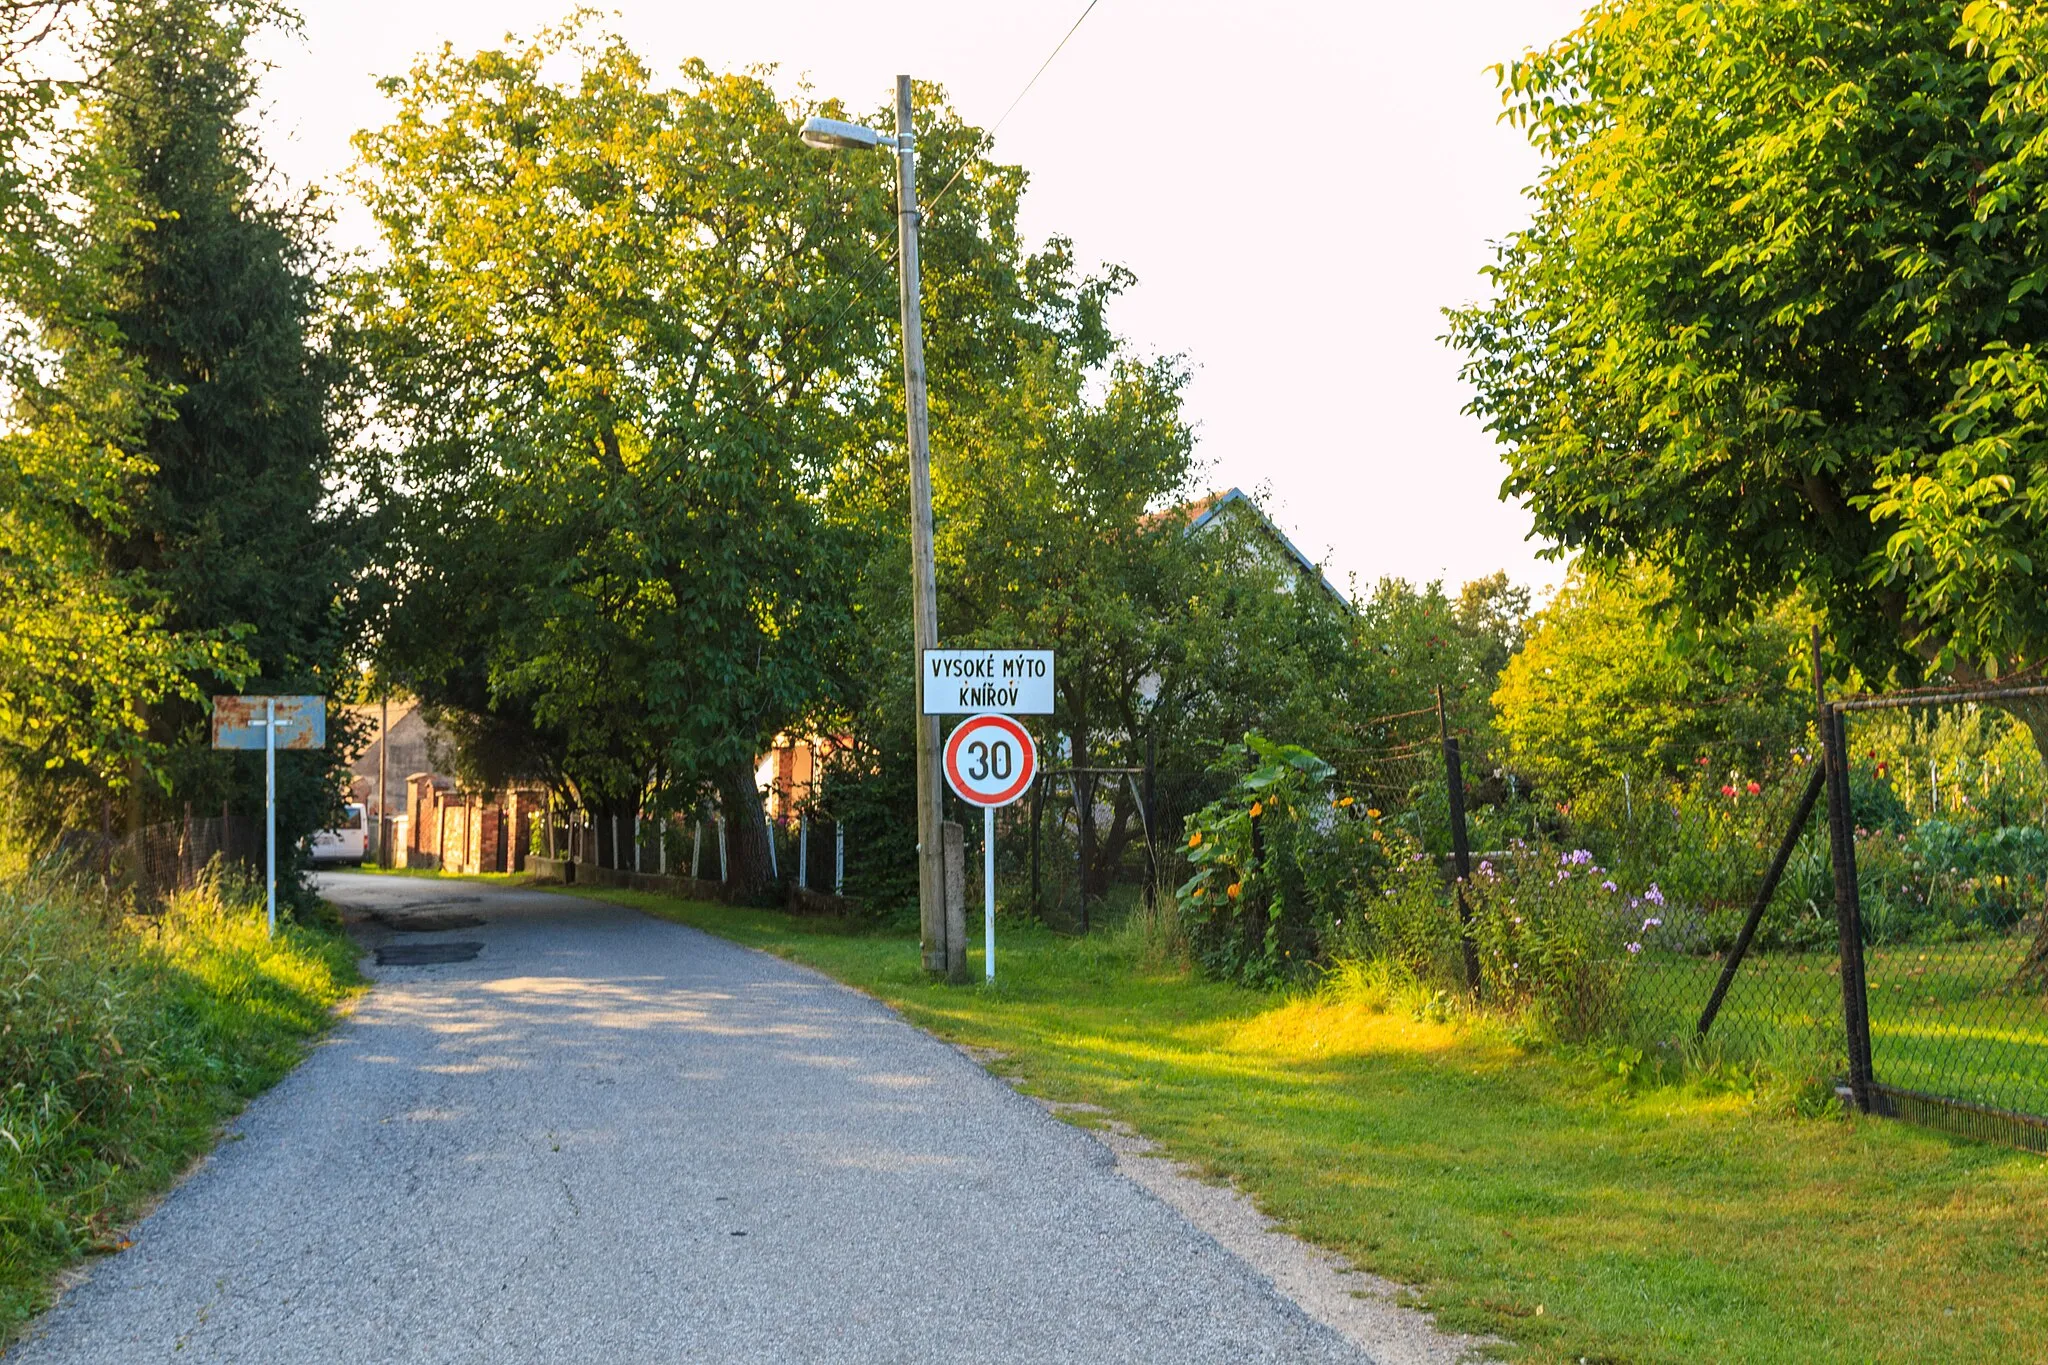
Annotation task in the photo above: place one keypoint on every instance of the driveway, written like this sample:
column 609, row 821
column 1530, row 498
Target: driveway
column 609, row 1138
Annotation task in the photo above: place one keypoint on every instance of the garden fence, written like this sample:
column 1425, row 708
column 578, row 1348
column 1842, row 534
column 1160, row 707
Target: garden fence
column 151, row 864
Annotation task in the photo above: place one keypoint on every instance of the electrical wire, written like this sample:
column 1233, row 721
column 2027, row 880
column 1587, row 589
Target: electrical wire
column 997, row 126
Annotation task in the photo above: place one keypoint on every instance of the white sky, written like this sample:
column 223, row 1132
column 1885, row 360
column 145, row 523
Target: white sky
column 1300, row 188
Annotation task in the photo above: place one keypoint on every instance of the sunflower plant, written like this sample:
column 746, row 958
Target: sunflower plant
column 1276, row 861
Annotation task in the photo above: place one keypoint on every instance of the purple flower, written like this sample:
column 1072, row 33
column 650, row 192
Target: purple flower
column 1634, row 948
column 1579, row 857
column 1609, row 886
column 1635, row 902
column 1652, row 923
column 1653, row 895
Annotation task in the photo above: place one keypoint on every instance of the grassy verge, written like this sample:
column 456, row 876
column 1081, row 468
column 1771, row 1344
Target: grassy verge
column 1541, row 1197
column 124, row 1043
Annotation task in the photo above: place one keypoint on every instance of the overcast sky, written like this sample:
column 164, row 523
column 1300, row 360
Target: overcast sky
column 1299, row 187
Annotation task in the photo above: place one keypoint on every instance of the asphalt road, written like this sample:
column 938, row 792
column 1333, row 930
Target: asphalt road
column 609, row 1138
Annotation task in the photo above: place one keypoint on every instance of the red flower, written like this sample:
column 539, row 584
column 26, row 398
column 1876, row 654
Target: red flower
column 1727, row 791
column 1755, row 790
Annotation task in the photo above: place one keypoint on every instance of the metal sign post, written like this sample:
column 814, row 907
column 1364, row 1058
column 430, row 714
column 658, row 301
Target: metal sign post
column 990, row 761
column 255, row 723
column 270, row 813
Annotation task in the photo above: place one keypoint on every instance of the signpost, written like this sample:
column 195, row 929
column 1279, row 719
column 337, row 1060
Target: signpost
column 990, row 761
column 270, row 724
column 965, row 682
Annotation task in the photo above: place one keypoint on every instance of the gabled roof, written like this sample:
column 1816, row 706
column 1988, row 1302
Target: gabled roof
column 1205, row 510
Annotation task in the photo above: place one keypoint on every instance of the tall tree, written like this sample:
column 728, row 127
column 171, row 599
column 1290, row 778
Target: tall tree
column 1770, row 327
column 621, row 336
column 166, row 457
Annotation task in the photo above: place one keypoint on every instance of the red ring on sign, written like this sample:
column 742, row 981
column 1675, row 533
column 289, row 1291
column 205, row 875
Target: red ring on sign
column 1026, row 769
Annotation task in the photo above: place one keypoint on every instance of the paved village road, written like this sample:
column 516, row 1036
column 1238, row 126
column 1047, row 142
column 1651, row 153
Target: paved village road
column 609, row 1138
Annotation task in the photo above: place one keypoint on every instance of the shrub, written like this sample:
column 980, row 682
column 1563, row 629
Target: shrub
column 1277, row 860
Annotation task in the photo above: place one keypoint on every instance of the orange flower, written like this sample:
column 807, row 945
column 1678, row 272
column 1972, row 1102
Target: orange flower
column 1236, row 890
column 1256, row 808
column 1372, row 813
column 1201, row 891
column 1346, row 800
column 1195, row 839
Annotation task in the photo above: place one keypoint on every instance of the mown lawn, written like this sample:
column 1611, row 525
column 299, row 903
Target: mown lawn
column 1539, row 1197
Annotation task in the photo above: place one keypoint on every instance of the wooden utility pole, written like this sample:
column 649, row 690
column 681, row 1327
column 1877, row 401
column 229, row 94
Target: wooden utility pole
column 931, row 875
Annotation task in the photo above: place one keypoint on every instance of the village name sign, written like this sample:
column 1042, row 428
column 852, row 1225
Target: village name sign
column 963, row 682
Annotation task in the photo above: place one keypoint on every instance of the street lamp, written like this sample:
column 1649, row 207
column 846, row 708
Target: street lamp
column 834, row 135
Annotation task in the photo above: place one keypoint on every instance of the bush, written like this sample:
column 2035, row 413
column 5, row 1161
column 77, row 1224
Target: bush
column 1277, row 861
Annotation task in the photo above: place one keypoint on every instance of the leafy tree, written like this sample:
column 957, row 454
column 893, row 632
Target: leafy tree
column 210, row 287
column 1771, row 328
column 1608, row 686
column 636, row 345
column 1048, row 539
column 167, row 457
column 84, row 653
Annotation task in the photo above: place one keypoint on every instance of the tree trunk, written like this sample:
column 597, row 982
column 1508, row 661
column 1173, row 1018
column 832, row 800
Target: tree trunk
column 749, row 874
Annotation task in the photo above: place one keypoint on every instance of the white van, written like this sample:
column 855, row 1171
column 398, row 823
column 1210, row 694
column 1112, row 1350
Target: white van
column 343, row 843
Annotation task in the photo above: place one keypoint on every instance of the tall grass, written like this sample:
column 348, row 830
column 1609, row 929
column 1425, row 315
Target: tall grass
column 124, row 1041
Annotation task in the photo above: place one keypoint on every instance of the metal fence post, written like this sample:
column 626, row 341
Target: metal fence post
column 1848, row 907
column 1461, row 845
column 838, row 857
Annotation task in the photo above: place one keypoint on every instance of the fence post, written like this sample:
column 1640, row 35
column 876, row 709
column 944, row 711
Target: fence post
column 838, row 857
column 722, row 876
column 1148, row 808
column 1084, row 838
column 1848, row 907
column 1461, row 845
column 803, row 853
column 953, row 839
column 636, row 839
column 696, row 843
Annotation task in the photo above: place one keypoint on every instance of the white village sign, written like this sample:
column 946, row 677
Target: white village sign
column 966, row 682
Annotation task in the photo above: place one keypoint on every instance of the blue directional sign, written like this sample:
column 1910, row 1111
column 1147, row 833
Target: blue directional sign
column 241, row 723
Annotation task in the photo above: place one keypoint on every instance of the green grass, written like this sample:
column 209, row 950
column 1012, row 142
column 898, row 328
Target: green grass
column 1945, row 1018
column 124, row 1044
column 1525, row 1193
column 496, row 878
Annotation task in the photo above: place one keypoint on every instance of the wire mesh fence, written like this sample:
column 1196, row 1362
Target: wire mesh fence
column 149, row 865
column 1950, row 892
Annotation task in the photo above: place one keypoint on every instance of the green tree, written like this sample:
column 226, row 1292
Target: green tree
column 166, row 462
column 210, row 288
column 1770, row 327
column 1609, row 686
column 1050, row 537
column 636, row 348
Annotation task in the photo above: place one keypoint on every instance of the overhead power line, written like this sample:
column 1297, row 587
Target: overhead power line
column 997, row 126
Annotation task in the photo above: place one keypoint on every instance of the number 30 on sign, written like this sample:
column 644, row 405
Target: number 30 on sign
column 990, row 760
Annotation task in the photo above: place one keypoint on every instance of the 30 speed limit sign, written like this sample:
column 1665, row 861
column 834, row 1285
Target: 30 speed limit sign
column 990, row 760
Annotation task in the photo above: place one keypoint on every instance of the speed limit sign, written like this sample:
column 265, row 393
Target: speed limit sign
column 990, row 760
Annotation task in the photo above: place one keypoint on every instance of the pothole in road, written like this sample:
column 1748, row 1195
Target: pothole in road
column 425, row 921
column 425, row 954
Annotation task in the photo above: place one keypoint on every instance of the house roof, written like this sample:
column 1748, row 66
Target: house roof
column 1204, row 510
